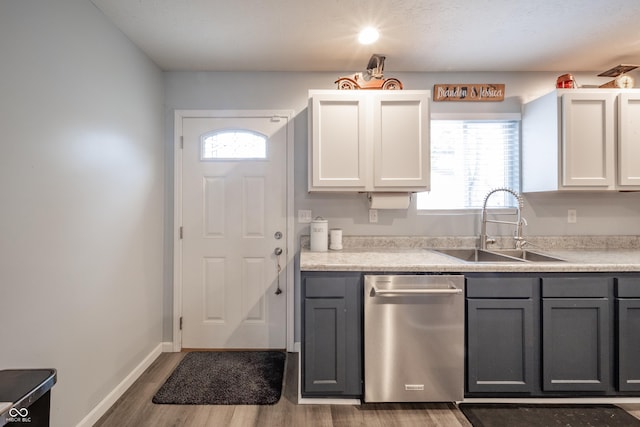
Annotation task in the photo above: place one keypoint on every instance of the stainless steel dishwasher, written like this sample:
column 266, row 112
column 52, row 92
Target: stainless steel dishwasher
column 414, row 338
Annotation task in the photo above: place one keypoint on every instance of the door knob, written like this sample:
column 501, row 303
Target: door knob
column 278, row 252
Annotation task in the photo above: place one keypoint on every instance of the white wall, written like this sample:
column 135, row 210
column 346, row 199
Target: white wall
column 598, row 213
column 81, row 193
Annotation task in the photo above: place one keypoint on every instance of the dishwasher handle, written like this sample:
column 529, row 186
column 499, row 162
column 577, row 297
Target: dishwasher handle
column 452, row 290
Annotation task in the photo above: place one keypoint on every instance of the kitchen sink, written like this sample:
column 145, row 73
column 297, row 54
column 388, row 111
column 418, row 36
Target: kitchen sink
column 477, row 255
column 526, row 255
column 501, row 255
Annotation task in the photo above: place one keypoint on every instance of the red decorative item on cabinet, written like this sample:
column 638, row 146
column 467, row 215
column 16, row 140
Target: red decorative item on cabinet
column 566, row 81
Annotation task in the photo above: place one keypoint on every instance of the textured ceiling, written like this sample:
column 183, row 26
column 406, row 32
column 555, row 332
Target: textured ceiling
column 416, row 35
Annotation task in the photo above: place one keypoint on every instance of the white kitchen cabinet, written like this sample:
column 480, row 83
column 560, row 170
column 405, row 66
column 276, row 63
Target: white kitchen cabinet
column 369, row 141
column 581, row 139
column 629, row 139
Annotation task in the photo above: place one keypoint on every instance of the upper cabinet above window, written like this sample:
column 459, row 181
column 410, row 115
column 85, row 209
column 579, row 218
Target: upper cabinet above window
column 582, row 139
column 368, row 140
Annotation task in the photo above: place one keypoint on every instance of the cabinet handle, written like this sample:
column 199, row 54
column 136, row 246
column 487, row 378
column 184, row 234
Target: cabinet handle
column 413, row 291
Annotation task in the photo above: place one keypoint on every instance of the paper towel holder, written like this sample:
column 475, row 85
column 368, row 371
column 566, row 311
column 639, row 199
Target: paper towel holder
column 389, row 200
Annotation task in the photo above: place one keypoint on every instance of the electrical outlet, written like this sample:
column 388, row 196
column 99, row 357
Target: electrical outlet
column 572, row 216
column 373, row 215
column 304, row 216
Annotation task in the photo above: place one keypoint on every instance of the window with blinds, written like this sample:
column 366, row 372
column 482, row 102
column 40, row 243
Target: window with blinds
column 469, row 158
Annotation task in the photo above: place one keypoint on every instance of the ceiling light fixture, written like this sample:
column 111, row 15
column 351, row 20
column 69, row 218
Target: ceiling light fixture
column 368, row 35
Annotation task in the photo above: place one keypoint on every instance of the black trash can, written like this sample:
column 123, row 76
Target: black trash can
column 25, row 397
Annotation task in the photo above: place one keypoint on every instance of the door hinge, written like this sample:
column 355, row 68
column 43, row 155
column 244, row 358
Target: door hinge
column 181, row 233
column 180, row 322
column 182, row 142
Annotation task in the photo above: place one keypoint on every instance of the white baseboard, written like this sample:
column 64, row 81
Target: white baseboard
column 111, row 398
column 167, row 347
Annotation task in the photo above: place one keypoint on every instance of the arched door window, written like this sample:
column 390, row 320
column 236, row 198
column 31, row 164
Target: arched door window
column 234, row 144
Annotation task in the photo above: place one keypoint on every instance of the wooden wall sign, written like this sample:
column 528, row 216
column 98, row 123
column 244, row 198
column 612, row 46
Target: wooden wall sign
column 464, row 92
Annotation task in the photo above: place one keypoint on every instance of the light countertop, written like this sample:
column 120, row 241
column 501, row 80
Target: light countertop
column 386, row 257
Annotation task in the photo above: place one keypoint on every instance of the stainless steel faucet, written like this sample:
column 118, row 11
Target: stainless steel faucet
column 519, row 240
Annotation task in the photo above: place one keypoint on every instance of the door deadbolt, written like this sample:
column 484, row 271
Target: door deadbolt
column 278, row 235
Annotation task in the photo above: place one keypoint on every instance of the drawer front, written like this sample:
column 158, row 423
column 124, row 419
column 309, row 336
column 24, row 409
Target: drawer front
column 323, row 287
column 500, row 287
column 576, row 287
column 331, row 284
column 628, row 287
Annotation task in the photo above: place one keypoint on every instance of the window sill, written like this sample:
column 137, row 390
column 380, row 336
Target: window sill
column 467, row 211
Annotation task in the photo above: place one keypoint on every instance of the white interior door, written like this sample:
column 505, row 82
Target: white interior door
column 234, row 177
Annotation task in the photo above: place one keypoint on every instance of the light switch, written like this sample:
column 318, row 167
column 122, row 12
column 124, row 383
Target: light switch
column 304, row 216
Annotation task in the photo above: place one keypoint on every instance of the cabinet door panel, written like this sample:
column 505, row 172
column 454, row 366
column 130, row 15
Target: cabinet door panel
column 338, row 141
column 324, row 345
column 401, row 140
column 629, row 139
column 332, row 334
column 588, row 139
column 500, row 345
column 575, row 344
column 628, row 344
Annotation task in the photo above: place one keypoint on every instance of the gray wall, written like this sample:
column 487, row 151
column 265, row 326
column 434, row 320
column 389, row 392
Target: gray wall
column 81, row 223
column 598, row 213
column 86, row 169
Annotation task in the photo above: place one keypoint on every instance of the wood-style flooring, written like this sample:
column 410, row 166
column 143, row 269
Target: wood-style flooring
column 135, row 409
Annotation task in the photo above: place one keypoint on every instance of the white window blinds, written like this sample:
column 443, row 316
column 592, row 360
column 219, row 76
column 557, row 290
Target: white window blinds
column 469, row 158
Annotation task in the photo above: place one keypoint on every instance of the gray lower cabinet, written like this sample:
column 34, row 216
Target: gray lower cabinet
column 548, row 334
column 536, row 334
column 502, row 328
column 576, row 334
column 332, row 334
column 628, row 321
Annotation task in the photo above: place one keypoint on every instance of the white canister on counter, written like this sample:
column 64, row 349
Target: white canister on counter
column 335, row 237
column 319, row 230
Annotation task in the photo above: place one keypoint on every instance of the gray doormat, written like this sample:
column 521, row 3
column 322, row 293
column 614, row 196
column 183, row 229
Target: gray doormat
column 225, row 378
column 521, row 415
